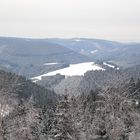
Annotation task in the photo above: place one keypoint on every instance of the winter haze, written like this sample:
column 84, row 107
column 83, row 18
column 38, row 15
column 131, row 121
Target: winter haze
column 108, row 19
column 69, row 69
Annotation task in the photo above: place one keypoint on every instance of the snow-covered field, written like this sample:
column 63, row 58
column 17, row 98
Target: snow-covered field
column 94, row 51
column 109, row 65
column 73, row 70
column 49, row 64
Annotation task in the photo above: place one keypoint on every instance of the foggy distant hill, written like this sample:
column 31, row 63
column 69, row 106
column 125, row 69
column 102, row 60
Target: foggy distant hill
column 28, row 56
column 32, row 57
column 122, row 54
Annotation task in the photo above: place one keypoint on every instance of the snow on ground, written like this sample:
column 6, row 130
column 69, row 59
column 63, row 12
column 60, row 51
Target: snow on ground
column 94, row 51
column 49, row 64
column 73, row 70
column 4, row 110
column 109, row 65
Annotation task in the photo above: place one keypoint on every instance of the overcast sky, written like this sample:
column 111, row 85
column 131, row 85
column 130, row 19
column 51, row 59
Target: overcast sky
column 107, row 19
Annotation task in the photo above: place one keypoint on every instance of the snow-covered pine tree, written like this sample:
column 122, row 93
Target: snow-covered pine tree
column 63, row 126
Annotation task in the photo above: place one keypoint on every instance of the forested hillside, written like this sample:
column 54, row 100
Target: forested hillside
column 93, row 80
column 69, row 69
column 107, row 107
column 21, row 108
column 33, row 57
column 29, row 57
column 108, row 110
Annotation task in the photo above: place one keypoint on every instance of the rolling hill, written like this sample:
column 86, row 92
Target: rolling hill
column 28, row 56
column 33, row 57
column 122, row 54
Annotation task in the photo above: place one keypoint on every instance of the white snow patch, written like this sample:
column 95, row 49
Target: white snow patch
column 109, row 65
column 94, row 51
column 4, row 110
column 137, row 102
column 73, row 70
column 49, row 64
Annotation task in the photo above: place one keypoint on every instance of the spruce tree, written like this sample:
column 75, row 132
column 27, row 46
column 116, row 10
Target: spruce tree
column 63, row 127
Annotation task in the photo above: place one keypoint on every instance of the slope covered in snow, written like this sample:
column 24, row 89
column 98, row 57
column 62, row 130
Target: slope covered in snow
column 109, row 65
column 49, row 64
column 73, row 70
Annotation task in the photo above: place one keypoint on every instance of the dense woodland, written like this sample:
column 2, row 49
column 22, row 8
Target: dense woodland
column 106, row 108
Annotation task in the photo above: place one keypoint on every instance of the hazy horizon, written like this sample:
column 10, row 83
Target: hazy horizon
column 42, row 38
column 110, row 20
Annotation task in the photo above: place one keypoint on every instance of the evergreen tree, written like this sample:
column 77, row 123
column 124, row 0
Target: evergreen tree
column 132, row 87
column 63, row 127
column 138, row 88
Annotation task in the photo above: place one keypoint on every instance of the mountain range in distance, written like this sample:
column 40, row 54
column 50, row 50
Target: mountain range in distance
column 33, row 57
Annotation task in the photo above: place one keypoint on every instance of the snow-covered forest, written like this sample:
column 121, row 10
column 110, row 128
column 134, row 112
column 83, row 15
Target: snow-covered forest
column 106, row 111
